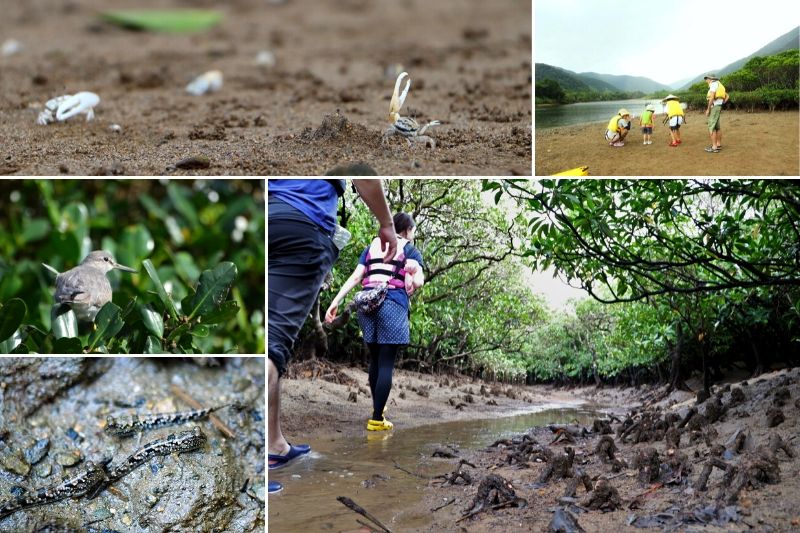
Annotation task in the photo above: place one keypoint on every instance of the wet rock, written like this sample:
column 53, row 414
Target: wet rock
column 781, row 396
column 775, row 417
column 69, row 458
column 14, row 461
column 564, row 522
column 257, row 491
column 36, row 453
column 27, row 383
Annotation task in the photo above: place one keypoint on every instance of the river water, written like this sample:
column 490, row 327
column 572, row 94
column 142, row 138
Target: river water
column 584, row 112
column 363, row 469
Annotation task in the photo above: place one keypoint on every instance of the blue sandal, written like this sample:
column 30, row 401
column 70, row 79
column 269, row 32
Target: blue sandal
column 274, row 487
column 293, row 453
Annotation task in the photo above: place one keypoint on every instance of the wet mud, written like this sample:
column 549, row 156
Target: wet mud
column 469, row 62
column 176, row 473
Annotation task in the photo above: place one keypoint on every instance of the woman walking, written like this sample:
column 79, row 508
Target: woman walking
column 387, row 328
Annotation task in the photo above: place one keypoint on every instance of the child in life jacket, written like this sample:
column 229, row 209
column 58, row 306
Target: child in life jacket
column 676, row 118
column 646, row 122
column 618, row 128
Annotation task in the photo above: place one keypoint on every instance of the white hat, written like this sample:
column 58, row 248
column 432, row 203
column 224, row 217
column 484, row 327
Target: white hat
column 669, row 97
column 622, row 112
column 650, row 107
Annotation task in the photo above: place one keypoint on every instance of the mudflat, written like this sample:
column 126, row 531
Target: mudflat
column 469, row 62
column 753, row 144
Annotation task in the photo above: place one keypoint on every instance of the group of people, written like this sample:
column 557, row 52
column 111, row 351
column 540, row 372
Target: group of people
column 620, row 124
column 304, row 242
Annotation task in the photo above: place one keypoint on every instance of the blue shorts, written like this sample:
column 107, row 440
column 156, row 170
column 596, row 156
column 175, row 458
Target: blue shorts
column 647, row 130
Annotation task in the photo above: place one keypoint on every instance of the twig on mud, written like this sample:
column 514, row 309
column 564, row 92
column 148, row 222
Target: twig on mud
column 353, row 506
column 443, row 505
column 194, row 404
column 421, row 476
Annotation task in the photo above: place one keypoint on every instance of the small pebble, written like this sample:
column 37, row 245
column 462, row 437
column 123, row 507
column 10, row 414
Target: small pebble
column 116, row 128
column 193, row 162
column 72, row 434
column 15, row 462
column 101, row 513
column 126, row 519
column 265, row 58
column 151, row 500
column 70, row 458
column 43, row 470
column 10, row 47
column 36, row 453
column 16, row 490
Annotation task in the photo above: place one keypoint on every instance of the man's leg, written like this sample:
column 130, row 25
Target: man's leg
column 300, row 256
column 277, row 442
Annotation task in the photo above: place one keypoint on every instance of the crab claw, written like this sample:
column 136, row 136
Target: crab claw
column 82, row 102
column 397, row 98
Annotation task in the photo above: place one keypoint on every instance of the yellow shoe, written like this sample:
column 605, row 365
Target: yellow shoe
column 379, row 425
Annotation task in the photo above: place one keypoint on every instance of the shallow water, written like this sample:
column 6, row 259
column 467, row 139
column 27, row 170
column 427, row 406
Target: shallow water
column 340, row 466
column 585, row 112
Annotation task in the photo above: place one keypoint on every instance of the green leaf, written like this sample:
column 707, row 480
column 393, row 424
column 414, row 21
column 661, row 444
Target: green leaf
column 34, row 229
column 152, row 321
column 164, row 20
column 135, row 245
column 162, row 292
column 177, row 332
column 11, row 316
column 223, row 313
column 200, row 330
column 182, row 204
column 67, row 345
column 13, row 344
column 63, row 321
column 152, row 345
column 213, row 288
column 108, row 322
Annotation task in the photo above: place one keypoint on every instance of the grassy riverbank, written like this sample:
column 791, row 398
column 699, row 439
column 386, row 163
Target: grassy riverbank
column 754, row 144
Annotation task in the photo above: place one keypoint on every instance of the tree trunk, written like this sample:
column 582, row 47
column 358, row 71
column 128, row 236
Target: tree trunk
column 675, row 380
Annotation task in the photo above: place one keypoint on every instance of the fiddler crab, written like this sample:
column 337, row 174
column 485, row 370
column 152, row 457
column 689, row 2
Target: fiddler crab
column 61, row 108
column 406, row 126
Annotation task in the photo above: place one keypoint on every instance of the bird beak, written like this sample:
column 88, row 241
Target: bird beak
column 124, row 268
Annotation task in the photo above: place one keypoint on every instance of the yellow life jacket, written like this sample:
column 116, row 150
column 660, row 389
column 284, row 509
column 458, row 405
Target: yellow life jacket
column 613, row 124
column 674, row 109
column 721, row 93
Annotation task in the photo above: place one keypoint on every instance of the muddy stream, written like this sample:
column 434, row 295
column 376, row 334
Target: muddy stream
column 363, row 469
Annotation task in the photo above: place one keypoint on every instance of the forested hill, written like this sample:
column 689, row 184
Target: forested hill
column 571, row 81
column 788, row 41
column 628, row 83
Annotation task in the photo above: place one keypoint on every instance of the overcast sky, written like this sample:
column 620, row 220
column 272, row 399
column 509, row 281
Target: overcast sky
column 665, row 41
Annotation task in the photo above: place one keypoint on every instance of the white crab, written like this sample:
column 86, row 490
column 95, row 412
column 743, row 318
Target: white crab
column 406, row 126
column 63, row 107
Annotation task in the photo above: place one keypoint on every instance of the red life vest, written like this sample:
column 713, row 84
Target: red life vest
column 379, row 272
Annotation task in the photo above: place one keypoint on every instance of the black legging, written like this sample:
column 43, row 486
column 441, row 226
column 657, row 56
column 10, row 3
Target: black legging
column 380, row 375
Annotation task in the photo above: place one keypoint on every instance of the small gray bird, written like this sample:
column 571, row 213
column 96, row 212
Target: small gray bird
column 85, row 288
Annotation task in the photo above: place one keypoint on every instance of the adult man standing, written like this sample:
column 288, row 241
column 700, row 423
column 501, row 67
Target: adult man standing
column 302, row 239
column 716, row 96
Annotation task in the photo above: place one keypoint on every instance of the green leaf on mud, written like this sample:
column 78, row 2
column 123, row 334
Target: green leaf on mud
column 11, row 316
column 164, row 20
column 108, row 322
column 213, row 288
column 63, row 321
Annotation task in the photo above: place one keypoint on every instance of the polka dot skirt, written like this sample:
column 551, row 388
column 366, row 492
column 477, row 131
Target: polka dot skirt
column 388, row 325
